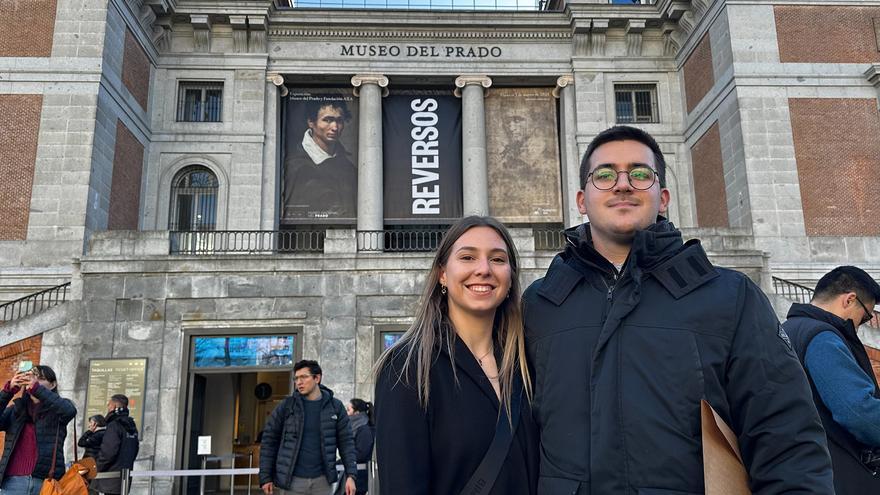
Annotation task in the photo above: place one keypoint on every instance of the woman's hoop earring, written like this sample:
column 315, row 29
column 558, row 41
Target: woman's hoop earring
column 443, row 289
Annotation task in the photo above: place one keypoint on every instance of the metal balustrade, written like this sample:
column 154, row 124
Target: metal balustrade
column 34, row 303
column 548, row 239
column 421, row 240
column 247, row 241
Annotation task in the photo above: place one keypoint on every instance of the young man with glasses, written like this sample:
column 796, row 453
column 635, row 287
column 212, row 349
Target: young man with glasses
column 845, row 389
column 300, row 439
column 631, row 328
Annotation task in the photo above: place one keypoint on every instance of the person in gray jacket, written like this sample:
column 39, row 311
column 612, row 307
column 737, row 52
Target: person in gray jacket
column 300, row 439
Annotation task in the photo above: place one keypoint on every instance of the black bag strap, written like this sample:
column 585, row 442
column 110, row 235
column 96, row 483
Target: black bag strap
column 54, row 452
column 484, row 477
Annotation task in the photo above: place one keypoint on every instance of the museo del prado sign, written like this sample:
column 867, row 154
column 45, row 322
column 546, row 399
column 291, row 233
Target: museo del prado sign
column 419, row 51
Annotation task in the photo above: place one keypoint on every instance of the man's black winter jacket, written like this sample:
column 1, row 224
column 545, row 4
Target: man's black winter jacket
column 283, row 433
column 622, row 361
column 119, row 449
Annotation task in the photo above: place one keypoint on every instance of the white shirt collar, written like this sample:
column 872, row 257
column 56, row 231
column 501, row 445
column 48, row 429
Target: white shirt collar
column 314, row 151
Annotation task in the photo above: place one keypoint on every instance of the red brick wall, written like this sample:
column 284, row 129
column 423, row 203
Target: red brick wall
column 837, row 149
column 11, row 354
column 709, row 187
column 826, row 34
column 698, row 74
column 19, row 132
column 26, row 28
column 136, row 70
column 125, row 187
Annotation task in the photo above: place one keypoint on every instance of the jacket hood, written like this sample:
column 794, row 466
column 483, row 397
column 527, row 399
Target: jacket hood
column 326, row 393
column 121, row 416
column 650, row 246
column 358, row 420
column 799, row 310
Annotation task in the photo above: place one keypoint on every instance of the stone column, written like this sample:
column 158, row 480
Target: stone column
column 269, row 190
column 475, row 172
column 569, row 149
column 370, row 89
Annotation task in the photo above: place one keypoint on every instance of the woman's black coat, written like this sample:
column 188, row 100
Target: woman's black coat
column 436, row 451
column 50, row 426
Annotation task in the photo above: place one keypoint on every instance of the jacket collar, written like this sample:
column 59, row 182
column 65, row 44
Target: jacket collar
column 845, row 327
column 326, row 394
column 465, row 362
column 657, row 250
column 650, row 246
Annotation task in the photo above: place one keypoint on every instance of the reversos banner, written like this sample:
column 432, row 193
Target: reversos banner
column 421, row 139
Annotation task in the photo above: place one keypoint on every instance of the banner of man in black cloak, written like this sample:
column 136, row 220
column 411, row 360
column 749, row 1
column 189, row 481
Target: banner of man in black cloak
column 319, row 174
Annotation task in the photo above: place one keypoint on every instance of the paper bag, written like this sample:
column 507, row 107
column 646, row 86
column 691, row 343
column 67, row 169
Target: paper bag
column 723, row 468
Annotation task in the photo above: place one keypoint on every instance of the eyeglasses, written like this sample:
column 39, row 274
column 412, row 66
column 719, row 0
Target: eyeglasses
column 299, row 378
column 605, row 178
column 869, row 314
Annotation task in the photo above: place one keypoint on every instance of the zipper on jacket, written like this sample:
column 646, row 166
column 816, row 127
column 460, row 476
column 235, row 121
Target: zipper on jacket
column 609, row 296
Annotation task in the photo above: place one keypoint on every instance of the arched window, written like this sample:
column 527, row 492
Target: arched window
column 193, row 200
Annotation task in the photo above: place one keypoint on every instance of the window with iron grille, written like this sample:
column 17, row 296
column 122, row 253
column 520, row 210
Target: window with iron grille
column 636, row 103
column 193, row 200
column 200, row 102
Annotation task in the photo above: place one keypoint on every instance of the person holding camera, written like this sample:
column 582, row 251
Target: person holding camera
column 35, row 427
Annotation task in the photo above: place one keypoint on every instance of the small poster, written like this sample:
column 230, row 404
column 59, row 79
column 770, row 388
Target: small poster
column 108, row 377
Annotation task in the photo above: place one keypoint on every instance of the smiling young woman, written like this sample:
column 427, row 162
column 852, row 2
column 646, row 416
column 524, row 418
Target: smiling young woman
column 458, row 379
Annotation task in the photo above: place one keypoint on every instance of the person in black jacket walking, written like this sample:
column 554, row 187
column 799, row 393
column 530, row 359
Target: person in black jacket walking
column 92, row 438
column 300, row 439
column 119, row 447
column 457, row 379
column 631, row 328
column 845, row 389
column 35, row 427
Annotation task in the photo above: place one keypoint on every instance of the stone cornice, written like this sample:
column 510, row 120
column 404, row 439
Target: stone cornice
column 481, row 79
column 562, row 82
column 873, row 75
column 279, row 32
column 359, row 80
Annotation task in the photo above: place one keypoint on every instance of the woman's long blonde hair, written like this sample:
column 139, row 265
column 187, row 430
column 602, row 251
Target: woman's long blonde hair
column 432, row 327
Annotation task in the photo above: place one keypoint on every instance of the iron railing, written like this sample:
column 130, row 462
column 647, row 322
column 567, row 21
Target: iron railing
column 247, row 241
column 803, row 294
column 491, row 5
column 792, row 291
column 548, row 239
column 421, row 240
column 34, row 303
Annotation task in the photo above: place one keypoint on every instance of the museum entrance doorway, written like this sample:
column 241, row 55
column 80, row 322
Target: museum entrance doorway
column 233, row 385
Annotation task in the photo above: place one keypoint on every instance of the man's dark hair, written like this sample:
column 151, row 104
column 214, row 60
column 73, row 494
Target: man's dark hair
column 313, row 366
column 120, row 400
column 624, row 133
column 313, row 107
column 99, row 420
column 844, row 279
